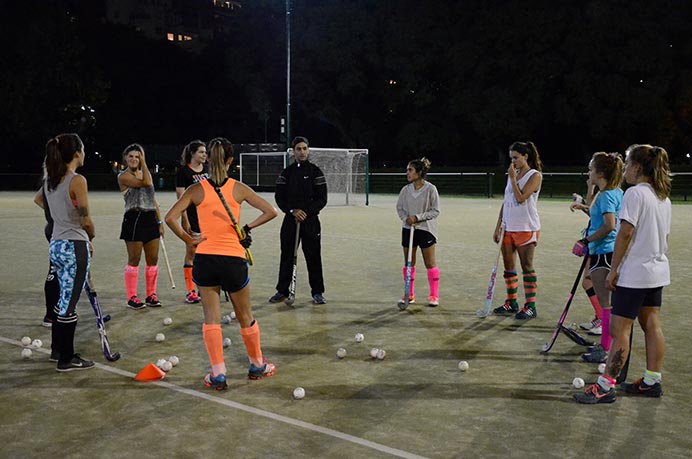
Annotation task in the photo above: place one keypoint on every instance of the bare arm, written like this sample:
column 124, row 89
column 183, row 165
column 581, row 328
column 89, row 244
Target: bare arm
column 242, row 192
column 607, row 226
column 78, row 192
column 192, row 195
column 622, row 243
column 183, row 217
column 498, row 226
column 38, row 198
column 530, row 188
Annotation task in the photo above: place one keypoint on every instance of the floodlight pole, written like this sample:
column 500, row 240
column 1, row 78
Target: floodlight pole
column 288, row 73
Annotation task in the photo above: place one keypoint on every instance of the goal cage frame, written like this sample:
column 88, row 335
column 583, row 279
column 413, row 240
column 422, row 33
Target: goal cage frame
column 346, row 171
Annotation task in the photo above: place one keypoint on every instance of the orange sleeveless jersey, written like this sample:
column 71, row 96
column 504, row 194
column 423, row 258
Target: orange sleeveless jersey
column 215, row 224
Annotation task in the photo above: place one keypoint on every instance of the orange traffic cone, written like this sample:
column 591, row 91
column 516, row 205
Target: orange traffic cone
column 150, row 373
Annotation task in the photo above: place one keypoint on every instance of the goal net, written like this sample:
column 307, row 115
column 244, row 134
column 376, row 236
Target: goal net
column 346, row 171
column 259, row 170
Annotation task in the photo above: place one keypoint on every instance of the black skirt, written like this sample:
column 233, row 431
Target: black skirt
column 139, row 226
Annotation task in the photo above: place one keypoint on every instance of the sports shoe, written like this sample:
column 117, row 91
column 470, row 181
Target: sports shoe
column 192, row 297
column 596, row 322
column 77, row 363
column 153, row 301
column 433, row 301
column 135, row 303
column 527, row 312
column 595, row 394
column 597, row 355
column 596, row 331
column 317, row 298
column 265, row 370
column 411, row 299
column 277, row 298
column 47, row 322
column 639, row 387
column 217, row 382
column 510, row 307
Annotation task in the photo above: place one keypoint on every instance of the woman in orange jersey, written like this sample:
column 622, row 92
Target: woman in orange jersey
column 220, row 258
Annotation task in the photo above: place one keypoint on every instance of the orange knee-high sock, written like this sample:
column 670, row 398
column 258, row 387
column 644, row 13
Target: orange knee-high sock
column 187, row 272
column 251, row 337
column 213, row 341
column 512, row 284
column 152, row 276
column 131, row 277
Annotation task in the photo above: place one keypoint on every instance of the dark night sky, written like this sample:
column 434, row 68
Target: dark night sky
column 454, row 80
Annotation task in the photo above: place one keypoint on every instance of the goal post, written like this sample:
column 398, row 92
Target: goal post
column 346, row 171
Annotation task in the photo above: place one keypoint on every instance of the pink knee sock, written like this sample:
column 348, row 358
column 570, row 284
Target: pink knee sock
column 434, row 281
column 591, row 293
column 413, row 277
column 152, row 275
column 131, row 277
column 606, row 340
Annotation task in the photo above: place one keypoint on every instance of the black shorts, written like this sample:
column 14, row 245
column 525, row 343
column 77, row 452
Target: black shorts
column 421, row 238
column 626, row 302
column 600, row 261
column 231, row 273
column 139, row 226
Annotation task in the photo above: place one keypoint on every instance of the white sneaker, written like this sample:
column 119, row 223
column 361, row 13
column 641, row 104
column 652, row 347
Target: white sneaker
column 596, row 331
column 596, row 322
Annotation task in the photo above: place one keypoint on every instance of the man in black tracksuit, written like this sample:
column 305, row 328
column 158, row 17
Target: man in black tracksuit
column 301, row 192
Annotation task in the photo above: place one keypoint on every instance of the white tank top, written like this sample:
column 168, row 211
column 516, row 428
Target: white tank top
column 524, row 216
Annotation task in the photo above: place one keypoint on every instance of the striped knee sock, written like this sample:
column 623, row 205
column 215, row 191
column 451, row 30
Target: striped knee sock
column 512, row 285
column 187, row 272
column 251, row 338
column 530, row 287
column 591, row 293
column 131, row 278
column 434, row 281
column 152, row 275
column 213, row 341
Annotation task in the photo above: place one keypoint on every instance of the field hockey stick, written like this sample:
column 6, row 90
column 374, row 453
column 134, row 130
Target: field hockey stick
column 572, row 334
column 168, row 264
column 409, row 269
column 491, row 285
column 560, row 326
column 292, row 286
column 622, row 377
column 239, row 231
column 96, row 306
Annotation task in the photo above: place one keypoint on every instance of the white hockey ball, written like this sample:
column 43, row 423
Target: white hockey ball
column 166, row 365
column 359, row 337
column 26, row 353
column 26, row 341
column 226, row 320
column 167, row 321
column 381, row 354
column 232, row 314
column 226, row 342
column 160, row 362
column 373, row 352
column 174, row 360
column 37, row 343
column 463, row 365
column 298, row 393
column 341, row 353
column 578, row 383
column 160, row 337
column 601, row 368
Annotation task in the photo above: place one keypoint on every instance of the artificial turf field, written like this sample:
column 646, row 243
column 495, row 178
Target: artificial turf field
column 512, row 402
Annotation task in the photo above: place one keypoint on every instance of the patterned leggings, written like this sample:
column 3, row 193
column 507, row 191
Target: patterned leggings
column 71, row 260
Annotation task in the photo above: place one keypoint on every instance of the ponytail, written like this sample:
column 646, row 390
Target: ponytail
column 219, row 150
column 611, row 166
column 60, row 152
column 422, row 166
column 654, row 165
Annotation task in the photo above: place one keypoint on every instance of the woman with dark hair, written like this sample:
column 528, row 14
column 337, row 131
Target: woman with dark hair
column 519, row 216
column 220, row 261
column 141, row 227
column 193, row 168
column 70, row 249
column 418, row 207
column 639, row 272
column 605, row 171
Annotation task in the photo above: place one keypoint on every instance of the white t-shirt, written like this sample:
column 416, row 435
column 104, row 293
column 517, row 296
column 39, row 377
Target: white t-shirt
column 645, row 265
column 521, row 216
